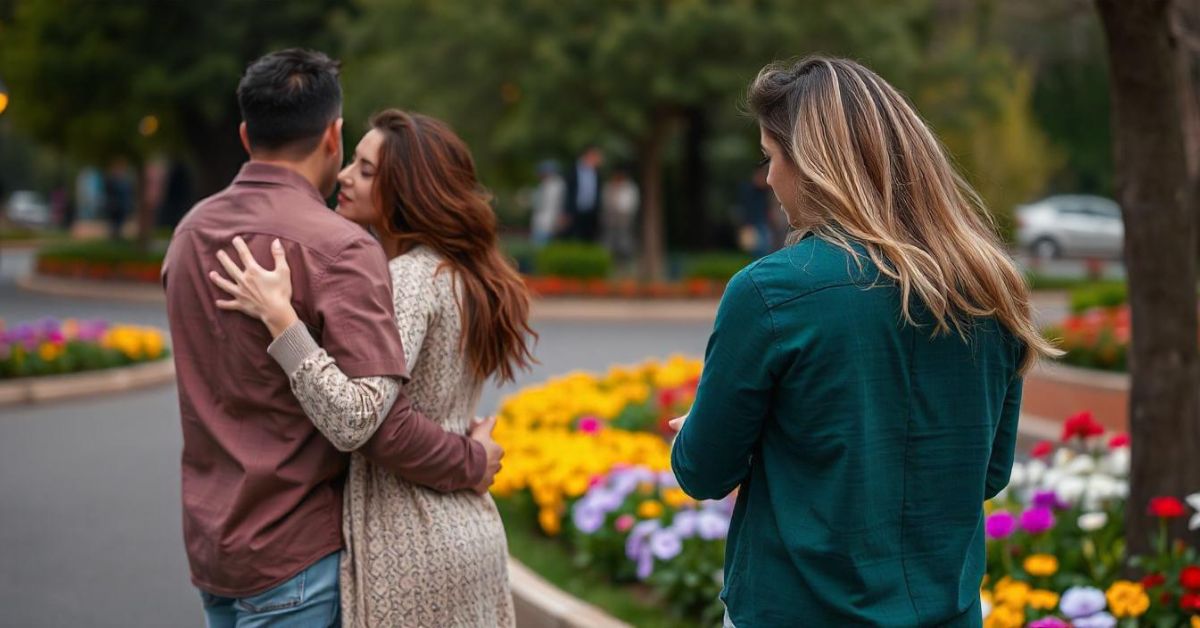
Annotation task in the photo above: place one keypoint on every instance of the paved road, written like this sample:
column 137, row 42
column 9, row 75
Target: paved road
column 89, row 495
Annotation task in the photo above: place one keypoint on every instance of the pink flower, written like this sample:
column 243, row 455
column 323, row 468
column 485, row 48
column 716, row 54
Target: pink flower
column 590, row 425
column 1118, row 441
column 624, row 523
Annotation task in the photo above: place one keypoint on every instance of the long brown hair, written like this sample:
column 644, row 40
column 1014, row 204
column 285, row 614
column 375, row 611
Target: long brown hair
column 428, row 193
column 872, row 171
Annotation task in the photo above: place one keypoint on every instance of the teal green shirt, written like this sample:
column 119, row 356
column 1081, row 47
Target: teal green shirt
column 863, row 447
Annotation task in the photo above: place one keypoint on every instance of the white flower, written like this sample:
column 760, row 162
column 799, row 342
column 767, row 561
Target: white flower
column 1193, row 500
column 1017, row 478
column 1092, row 521
column 1034, row 471
column 1100, row 488
column 1062, row 457
column 1070, row 489
column 987, row 608
column 1116, row 462
column 1081, row 465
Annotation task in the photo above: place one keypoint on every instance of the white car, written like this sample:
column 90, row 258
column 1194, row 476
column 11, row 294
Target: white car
column 27, row 208
column 1071, row 225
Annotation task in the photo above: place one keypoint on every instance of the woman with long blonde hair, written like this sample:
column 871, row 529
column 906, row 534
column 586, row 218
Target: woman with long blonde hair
column 861, row 387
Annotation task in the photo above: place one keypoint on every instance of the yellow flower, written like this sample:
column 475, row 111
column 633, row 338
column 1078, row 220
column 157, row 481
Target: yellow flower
column 1127, row 599
column 676, row 498
column 1040, row 565
column 1043, row 600
column 1011, row 593
column 1005, row 617
column 550, row 522
column 1195, row 621
column 49, row 351
column 650, row 509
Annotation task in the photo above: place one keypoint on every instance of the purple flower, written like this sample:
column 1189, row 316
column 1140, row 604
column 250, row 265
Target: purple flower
column 1048, row 499
column 637, row 538
column 1080, row 602
column 666, row 480
column 665, row 544
column 604, row 500
column 684, row 523
column 1048, row 622
column 1037, row 520
column 645, row 565
column 587, row 516
column 1000, row 524
column 1099, row 620
column 712, row 526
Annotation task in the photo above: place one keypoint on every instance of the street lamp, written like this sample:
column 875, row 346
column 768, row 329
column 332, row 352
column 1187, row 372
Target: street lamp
column 3, row 96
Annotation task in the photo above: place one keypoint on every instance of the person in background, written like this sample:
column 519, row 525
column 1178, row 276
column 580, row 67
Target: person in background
column 861, row 387
column 118, row 195
column 585, row 196
column 547, row 216
column 621, row 202
column 754, row 204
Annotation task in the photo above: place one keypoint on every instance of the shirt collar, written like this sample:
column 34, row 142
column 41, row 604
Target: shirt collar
column 270, row 174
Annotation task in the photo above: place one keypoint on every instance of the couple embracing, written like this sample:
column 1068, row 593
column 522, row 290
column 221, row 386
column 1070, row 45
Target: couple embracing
column 378, row 346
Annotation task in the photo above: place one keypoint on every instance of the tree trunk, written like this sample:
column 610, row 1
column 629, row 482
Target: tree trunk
column 653, row 224
column 1160, row 253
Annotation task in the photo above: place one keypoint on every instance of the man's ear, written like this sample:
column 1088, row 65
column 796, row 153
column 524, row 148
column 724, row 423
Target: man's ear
column 245, row 137
column 333, row 137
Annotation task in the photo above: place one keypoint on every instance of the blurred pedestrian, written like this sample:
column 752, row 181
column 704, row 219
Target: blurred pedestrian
column 755, row 235
column 118, row 195
column 621, row 201
column 584, row 196
column 548, row 215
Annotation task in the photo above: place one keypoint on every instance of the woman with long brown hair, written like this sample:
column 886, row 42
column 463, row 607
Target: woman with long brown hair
column 413, row 557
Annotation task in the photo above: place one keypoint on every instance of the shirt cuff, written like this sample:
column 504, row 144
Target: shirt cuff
column 292, row 347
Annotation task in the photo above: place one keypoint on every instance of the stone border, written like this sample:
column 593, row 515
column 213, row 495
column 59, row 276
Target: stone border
column 72, row 385
column 539, row 604
column 89, row 289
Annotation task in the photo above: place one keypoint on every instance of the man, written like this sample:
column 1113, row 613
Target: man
column 584, row 196
column 262, row 489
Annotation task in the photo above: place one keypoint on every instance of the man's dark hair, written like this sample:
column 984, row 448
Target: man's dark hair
column 288, row 98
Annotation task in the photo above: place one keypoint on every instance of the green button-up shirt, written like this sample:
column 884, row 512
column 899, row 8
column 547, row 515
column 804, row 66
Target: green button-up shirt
column 863, row 447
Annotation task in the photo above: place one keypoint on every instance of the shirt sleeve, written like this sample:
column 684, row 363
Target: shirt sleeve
column 353, row 300
column 1004, row 445
column 711, row 454
column 346, row 410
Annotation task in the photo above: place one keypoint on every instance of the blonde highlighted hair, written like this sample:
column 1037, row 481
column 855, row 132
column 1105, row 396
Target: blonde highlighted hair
column 871, row 171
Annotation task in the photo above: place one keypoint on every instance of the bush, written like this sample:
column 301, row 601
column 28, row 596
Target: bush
column 1104, row 295
column 101, row 252
column 573, row 260
column 715, row 266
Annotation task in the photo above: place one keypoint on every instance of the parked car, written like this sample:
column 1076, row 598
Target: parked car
column 28, row 208
column 1071, row 225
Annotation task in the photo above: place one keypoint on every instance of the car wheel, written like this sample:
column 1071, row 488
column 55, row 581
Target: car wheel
column 1046, row 248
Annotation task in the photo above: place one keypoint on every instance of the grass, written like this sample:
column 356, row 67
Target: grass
column 551, row 559
column 1044, row 282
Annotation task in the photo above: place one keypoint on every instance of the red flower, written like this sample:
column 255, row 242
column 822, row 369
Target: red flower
column 1153, row 580
column 1118, row 441
column 1190, row 577
column 1042, row 449
column 1189, row 602
column 1081, row 425
column 1166, row 507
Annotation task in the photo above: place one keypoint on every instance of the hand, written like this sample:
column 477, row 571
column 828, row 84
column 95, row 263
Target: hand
column 481, row 431
column 258, row 292
column 677, row 423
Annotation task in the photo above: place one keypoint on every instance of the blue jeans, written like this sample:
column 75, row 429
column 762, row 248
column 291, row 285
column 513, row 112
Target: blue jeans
column 309, row 600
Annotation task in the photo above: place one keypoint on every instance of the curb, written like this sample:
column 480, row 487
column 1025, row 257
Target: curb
column 50, row 388
column 84, row 289
column 539, row 604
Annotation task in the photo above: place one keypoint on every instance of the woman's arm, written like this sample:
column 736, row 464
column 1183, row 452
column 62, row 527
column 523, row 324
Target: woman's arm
column 346, row 410
column 1004, row 445
column 711, row 454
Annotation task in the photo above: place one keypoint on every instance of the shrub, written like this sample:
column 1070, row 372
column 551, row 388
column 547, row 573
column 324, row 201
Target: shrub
column 715, row 266
column 573, row 260
column 1104, row 295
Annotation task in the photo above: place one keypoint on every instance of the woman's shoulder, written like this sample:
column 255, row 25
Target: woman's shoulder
column 808, row 267
column 420, row 267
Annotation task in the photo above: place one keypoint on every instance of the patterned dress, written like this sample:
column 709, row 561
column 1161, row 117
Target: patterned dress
column 413, row 557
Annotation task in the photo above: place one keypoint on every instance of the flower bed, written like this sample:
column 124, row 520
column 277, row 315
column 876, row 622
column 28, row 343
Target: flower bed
column 1056, row 543
column 100, row 260
column 697, row 288
column 1096, row 338
column 52, row 347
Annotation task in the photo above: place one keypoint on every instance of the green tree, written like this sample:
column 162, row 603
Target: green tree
column 83, row 75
